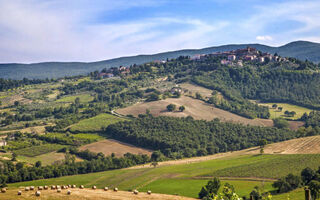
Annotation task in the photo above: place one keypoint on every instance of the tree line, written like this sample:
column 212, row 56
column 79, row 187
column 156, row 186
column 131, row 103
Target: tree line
column 186, row 137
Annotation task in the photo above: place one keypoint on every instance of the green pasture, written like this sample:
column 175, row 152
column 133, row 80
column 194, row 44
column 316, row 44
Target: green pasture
column 95, row 124
column 84, row 98
column 187, row 179
column 38, row 150
column 275, row 113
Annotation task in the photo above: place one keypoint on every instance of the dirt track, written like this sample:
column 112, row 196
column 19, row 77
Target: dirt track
column 87, row 194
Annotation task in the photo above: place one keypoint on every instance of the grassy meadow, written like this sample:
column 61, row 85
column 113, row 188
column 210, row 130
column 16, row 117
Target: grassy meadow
column 38, row 150
column 84, row 98
column 275, row 113
column 95, row 124
column 187, row 179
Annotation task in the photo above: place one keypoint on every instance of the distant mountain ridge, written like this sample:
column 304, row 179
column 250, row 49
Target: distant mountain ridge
column 298, row 49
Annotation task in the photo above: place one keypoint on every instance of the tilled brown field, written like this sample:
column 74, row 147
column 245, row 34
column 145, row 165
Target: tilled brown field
column 86, row 194
column 112, row 146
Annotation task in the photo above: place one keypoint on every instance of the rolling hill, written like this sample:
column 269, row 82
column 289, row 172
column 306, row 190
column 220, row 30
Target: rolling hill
column 298, row 49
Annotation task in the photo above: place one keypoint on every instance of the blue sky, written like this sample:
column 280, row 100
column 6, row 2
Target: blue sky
column 91, row 30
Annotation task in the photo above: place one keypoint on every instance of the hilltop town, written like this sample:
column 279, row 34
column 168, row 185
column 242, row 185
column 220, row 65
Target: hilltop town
column 237, row 57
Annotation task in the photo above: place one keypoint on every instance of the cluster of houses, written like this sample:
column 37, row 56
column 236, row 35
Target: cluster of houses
column 111, row 72
column 236, row 57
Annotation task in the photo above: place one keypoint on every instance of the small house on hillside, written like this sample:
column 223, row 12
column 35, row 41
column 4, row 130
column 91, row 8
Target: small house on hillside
column 3, row 143
column 176, row 90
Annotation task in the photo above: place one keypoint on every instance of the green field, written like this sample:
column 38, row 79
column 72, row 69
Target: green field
column 38, row 150
column 84, row 98
column 266, row 166
column 275, row 113
column 187, row 179
column 88, row 136
column 95, row 124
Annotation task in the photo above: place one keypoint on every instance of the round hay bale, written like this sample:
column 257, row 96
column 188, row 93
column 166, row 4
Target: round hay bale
column 45, row 187
column 59, row 190
column 149, row 192
column 69, row 186
column 19, row 192
column 73, row 186
column 40, row 188
column 38, row 193
column 58, row 187
column 115, row 189
column 94, row 187
column 3, row 190
column 63, row 187
column 81, row 187
column 53, row 187
column 26, row 189
column 136, row 192
column 69, row 192
column 106, row 188
column 31, row 187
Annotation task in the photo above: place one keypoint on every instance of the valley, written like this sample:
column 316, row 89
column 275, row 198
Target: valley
column 166, row 126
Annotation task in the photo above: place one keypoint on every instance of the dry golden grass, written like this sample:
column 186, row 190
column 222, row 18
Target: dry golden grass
column 195, row 108
column 86, row 194
column 112, row 146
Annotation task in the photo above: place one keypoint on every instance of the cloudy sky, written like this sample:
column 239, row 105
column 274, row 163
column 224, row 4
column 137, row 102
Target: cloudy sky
column 91, row 30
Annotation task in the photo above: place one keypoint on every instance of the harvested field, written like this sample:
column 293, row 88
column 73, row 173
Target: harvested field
column 195, row 108
column 87, row 194
column 305, row 145
column 198, row 110
column 112, row 146
column 195, row 88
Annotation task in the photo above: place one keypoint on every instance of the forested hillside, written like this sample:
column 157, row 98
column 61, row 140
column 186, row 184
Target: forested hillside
column 301, row 49
column 185, row 137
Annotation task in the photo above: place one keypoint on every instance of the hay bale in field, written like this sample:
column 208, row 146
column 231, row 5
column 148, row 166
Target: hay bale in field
column 115, row 189
column 149, row 192
column 40, row 188
column 73, row 186
column 53, row 187
column 45, row 187
column 19, row 192
column 135, row 192
column 94, row 187
column 59, row 190
column 63, row 187
column 31, row 187
column 69, row 192
column 26, row 189
column 38, row 193
column 3, row 190
column 106, row 188
column 81, row 187
column 69, row 186
column 58, row 187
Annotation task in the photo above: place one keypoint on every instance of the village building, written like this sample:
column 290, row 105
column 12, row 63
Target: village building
column 232, row 57
column 105, row 75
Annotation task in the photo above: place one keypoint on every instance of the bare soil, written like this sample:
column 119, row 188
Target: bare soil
column 87, row 194
column 112, row 146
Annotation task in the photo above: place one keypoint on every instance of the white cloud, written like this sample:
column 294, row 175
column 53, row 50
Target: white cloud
column 264, row 38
